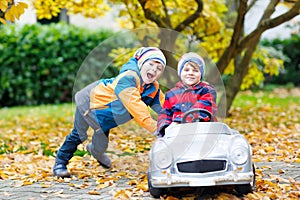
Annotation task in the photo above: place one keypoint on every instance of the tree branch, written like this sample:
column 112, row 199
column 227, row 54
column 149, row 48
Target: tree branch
column 269, row 10
column 149, row 14
column 268, row 24
column 167, row 19
column 191, row 18
column 238, row 28
column 130, row 15
column 251, row 4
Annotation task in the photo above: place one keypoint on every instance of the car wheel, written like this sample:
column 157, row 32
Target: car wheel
column 243, row 189
column 246, row 188
column 155, row 192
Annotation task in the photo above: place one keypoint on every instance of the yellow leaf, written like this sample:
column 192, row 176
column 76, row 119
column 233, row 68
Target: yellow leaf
column 94, row 192
column 142, row 186
column 8, row 16
column 121, row 193
column 3, row 5
column 103, row 185
column 2, row 21
column 132, row 182
column 22, row 5
column 171, row 198
column 15, row 11
column 27, row 183
column 81, row 176
column 45, row 185
column 149, row 5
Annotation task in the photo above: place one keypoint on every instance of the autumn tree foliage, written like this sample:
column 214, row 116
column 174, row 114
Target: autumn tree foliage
column 215, row 25
column 46, row 9
column 207, row 22
column 10, row 10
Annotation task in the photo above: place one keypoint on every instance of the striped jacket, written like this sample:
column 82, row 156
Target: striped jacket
column 180, row 99
column 118, row 100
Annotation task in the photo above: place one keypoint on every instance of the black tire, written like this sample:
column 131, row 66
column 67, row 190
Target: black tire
column 155, row 192
column 243, row 189
column 246, row 188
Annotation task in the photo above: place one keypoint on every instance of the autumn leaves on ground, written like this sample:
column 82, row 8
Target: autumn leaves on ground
column 30, row 136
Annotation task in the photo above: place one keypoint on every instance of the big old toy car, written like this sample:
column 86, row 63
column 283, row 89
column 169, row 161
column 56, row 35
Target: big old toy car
column 197, row 154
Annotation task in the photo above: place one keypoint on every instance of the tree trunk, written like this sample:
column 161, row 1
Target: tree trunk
column 249, row 44
column 241, row 70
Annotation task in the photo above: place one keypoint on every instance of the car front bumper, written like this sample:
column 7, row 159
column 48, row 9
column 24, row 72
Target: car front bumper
column 176, row 180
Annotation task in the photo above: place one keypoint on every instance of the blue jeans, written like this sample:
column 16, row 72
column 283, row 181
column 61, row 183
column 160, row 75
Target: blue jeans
column 79, row 135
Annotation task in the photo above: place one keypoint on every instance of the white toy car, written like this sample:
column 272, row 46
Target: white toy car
column 200, row 154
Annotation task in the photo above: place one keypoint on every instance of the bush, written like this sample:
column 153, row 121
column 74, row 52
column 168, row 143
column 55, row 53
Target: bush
column 290, row 48
column 39, row 62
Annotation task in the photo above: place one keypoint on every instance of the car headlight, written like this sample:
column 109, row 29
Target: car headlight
column 163, row 159
column 239, row 155
column 162, row 156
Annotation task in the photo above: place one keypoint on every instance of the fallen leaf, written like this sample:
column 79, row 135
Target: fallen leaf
column 94, row 192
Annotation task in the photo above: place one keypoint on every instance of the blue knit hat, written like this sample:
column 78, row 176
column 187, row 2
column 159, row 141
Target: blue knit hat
column 144, row 54
column 191, row 57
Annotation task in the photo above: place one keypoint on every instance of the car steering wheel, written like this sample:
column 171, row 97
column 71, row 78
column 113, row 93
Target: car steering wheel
column 196, row 117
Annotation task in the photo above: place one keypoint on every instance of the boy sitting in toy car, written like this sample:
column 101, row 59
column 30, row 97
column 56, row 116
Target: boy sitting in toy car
column 189, row 93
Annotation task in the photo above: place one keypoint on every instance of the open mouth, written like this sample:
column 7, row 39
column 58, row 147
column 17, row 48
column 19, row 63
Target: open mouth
column 150, row 76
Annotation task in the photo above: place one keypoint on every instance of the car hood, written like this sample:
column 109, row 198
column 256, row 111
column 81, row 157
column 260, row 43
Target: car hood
column 196, row 141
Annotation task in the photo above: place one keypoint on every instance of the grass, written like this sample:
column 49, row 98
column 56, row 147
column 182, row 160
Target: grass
column 243, row 99
column 271, row 98
column 46, row 110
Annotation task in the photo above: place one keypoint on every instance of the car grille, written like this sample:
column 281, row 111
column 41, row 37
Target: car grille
column 201, row 166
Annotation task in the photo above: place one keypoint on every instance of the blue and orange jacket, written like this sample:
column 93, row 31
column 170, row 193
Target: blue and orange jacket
column 118, row 100
column 181, row 98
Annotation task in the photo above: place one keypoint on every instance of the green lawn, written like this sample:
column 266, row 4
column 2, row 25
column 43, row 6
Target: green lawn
column 280, row 98
column 248, row 98
column 57, row 111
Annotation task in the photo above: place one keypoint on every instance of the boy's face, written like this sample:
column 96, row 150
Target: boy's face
column 190, row 75
column 151, row 71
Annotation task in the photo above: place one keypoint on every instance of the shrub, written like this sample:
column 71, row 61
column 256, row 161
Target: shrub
column 39, row 62
column 290, row 48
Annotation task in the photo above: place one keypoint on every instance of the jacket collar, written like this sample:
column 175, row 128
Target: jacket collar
column 197, row 86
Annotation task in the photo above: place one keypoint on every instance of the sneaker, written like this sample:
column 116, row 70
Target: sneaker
column 60, row 170
column 102, row 159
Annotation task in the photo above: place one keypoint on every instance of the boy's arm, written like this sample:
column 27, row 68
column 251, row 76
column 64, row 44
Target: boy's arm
column 165, row 116
column 128, row 93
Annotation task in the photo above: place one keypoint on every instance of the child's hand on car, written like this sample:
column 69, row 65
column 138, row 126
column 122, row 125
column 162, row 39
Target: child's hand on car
column 158, row 134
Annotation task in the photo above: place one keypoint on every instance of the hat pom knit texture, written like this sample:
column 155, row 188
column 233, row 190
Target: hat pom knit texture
column 144, row 54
